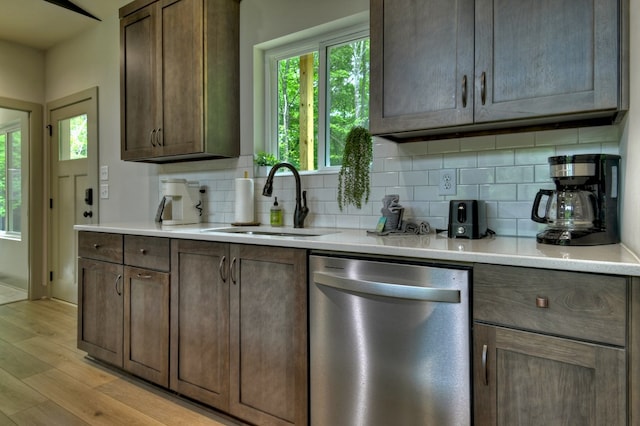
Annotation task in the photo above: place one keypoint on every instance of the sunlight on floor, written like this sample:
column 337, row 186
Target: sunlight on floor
column 9, row 294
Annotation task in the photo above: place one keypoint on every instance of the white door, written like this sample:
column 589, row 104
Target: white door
column 73, row 186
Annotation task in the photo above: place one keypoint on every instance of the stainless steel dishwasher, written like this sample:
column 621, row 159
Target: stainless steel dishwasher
column 389, row 343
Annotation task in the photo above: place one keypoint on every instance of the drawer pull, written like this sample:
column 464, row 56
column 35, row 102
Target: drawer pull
column 485, row 378
column 144, row 276
column 143, row 251
column 542, row 302
column 96, row 246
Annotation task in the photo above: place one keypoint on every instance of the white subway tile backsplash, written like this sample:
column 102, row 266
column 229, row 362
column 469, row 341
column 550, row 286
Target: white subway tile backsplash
column 515, row 140
column 443, row 146
column 476, row 176
column 557, row 137
column 384, row 179
column 478, row 143
column 465, row 159
column 498, row 192
column 504, row 170
column 496, row 158
column 530, row 156
column 520, row 174
column 598, row 134
column 397, row 164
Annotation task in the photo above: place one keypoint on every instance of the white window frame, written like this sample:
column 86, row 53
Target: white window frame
column 6, row 129
column 299, row 47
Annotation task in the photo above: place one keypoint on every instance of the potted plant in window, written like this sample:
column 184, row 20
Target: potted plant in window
column 353, row 179
column 263, row 162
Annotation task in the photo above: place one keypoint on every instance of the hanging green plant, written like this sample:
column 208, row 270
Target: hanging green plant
column 353, row 179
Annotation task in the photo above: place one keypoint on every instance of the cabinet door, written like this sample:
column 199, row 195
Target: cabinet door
column 100, row 306
column 146, row 324
column 421, row 64
column 182, row 76
column 200, row 321
column 545, row 58
column 269, row 335
column 139, row 88
column 524, row 378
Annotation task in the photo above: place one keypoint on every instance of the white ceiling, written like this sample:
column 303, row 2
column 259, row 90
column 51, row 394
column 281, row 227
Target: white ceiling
column 40, row 24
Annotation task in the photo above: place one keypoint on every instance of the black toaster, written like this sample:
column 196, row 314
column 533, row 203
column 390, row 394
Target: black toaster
column 467, row 219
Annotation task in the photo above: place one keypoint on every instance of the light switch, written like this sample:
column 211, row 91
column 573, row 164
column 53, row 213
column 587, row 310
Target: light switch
column 104, row 172
column 104, row 191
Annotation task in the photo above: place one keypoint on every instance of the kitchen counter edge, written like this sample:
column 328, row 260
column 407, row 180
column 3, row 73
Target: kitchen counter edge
column 613, row 259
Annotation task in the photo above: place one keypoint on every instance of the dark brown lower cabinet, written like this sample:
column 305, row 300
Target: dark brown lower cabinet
column 100, row 309
column 239, row 329
column 146, row 324
column 549, row 347
column 525, row 378
column 200, row 321
column 269, row 369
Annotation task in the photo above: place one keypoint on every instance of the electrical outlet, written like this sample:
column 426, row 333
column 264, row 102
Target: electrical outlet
column 104, row 191
column 447, row 182
column 104, row 172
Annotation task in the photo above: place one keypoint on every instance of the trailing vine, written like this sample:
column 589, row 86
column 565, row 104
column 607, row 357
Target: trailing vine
column 353, row 179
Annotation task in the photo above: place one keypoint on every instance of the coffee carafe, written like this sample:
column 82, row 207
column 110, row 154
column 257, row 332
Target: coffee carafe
column 583, row 209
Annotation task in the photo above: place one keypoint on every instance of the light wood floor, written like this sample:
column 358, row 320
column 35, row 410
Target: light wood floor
column 9, row 294
column 45, row 380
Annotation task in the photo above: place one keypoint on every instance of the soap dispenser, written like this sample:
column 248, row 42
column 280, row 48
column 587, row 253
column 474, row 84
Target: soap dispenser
column 276, row 214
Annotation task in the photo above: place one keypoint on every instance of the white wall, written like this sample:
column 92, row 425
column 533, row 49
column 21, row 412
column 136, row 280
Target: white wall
column 21, row 72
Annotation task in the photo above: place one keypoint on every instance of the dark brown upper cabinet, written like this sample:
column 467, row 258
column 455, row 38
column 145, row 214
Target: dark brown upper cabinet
column 179, row 80
column 451, row 67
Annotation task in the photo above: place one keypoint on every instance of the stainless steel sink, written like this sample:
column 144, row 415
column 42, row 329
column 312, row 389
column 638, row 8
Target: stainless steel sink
column 289, row 232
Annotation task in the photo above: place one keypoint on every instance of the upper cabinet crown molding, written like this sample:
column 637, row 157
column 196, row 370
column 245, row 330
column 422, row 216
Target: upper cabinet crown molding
column 452, row 67
column 179, row 80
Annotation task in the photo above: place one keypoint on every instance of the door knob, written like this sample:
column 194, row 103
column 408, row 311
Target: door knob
column 88, row 214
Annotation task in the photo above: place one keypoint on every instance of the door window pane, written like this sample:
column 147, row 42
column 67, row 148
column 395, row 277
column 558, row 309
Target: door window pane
column 72, row 138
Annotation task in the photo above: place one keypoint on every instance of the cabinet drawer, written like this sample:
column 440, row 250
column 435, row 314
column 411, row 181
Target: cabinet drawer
column 147, row 252
column 579, row 305
column 100, row 246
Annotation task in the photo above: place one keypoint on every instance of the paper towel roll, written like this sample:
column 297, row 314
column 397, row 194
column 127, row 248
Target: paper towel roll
column 244, row 200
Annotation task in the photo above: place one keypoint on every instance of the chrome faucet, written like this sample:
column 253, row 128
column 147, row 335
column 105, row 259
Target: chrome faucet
column 301, row 210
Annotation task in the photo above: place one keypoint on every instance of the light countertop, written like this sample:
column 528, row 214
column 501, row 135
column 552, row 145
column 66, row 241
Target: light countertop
column 511, row 251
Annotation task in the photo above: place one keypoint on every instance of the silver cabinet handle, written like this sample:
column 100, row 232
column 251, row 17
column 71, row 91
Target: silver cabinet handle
column 464, row 91
column 426, row 294
column 221, row 269
column 483, row 87
column 485, row 352
column 116, row 284
column 143, row 251
column 152, row 137
column 232, row 269
column 96, row 246
column 159, row 138
column 143, row 276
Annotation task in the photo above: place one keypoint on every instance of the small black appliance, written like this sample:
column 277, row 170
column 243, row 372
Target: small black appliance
column 583, row 209
column 467, row 219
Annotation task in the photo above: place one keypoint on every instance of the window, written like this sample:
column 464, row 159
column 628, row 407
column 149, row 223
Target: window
column 10, row 179
column 316, row 91
column 72, row 138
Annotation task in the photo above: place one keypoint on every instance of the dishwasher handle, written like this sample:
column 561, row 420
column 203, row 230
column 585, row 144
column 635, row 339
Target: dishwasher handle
column 398, row 291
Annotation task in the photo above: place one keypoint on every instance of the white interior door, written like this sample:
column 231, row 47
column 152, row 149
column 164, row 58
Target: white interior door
column 73, row 186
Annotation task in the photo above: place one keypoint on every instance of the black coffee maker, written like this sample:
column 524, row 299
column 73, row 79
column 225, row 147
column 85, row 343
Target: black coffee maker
column 583, row 209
